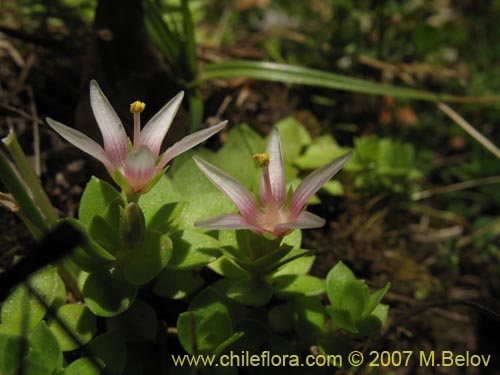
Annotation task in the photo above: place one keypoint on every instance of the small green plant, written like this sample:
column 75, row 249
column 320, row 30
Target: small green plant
column 152, row 235
column 383, row 164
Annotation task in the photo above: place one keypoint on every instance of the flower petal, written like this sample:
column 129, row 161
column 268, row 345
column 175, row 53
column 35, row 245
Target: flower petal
column 303, row 221
column 189, row 142
column 155, row 130
column 226, row 221
column 139, row 168
column 83, row 142
column 312, row 183
column 276, row 170
column 113, row 133
column 238, row 193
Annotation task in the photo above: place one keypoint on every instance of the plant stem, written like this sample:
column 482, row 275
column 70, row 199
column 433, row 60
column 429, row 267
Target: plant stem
column 29, row 176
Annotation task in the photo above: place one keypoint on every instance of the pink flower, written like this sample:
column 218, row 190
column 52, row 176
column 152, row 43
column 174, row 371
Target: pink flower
column 273, row 213
column 136, row 169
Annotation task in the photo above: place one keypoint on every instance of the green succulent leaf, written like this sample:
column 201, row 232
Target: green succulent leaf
column 298, row 285
column 191, row 249
column 323, row 150
column 44, row 348
column 108, row 293
column 250, row 292
column 336, row 280
column 373, row 321
column 73, row 326
column 153, row 201
column 84, row 366
column 12, row 352
column 167, row 217
column 142, row 264
column 96, row 198
column 110, row 348
column 297, row 266
column 342, row 318
column 294, row 138
column 309, row 316
column 177, row 284
column 226, row 267
column 375, row 299
column 208, row 309
column 104, row 235
column 27, row 304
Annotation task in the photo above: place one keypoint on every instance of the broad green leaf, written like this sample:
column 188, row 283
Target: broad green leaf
column 373, row 321
column 298, row 266
column 213, row 330
column 96, row 197
column 309, row 316
column 235, row 157
column 298, row 285
column 177, row 284
column 187, row 330
column 142, row 264
column 208, row 302
column 110, row 348
column 22, row 310
column 73, row 326
column 323, row 150
column 43, row 341
column 226, row 267
column 336, row 280
column 333, row 187
column 191, row 249
column 91, row 254
column 355, row 296
column 205, row 205
column 250, row 292
column 187, row 179
column 104, row 235
column 375, row 299
column 12, row 352
column 228, row 342
column 342, row 318
column 288, row 258
column 108, row 293
column 138, row 324
column 162, row 193
column 84, row 366
column 167, row 217
column 294, row 138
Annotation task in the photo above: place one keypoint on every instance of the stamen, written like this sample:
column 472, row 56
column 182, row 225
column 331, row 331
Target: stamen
column 262, row 159
column 136, row 108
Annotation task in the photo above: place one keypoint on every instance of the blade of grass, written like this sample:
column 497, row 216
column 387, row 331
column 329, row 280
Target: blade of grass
column 190, row 41
column 29, row 176
column 472, row 131
column 20, row 193
column 312, row 77
column 166, row 39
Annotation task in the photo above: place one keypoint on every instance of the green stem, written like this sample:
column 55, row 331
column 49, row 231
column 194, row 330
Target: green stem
column 29, row 176
column 20, row 193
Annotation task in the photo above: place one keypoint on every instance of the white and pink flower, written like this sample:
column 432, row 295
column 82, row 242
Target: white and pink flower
column 273, row 213
column 136, row 169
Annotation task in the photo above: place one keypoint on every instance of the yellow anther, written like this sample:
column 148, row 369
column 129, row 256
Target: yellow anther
column 137, row 107
column 262, row 159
